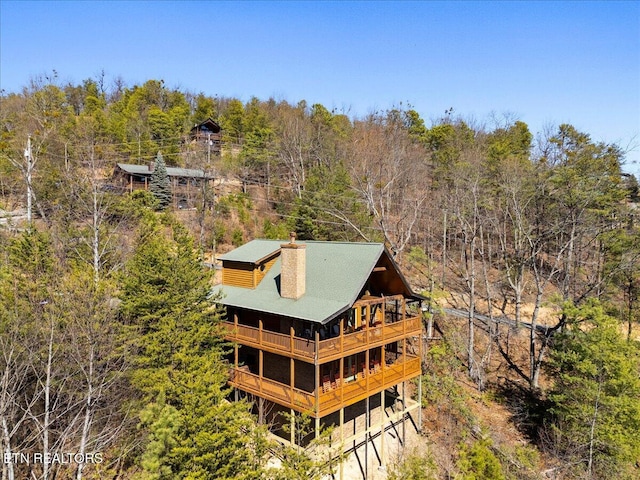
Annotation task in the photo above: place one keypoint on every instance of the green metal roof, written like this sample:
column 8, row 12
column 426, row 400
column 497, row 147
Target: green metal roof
column 253, row 251
column 171, row 171
column 336, row 273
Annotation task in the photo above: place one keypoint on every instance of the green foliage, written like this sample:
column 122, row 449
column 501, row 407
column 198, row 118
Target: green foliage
column 257, row 145
column 205, row 108
column 328, row 208
column 219, row 231
column 237, row 237
column 149, row 117
column 162, row 423
column 143, row 199
column 415, row 126
column 32, row 255
column 232, row 122
column 439, row 384
column 630, row 183
column 311, row 462
column 160, row 185
column 596, row 395
column 446, row 143
column 240, row 203
column 178, row 349
column 274, row 231
column 507, row 149
column 622, row 247
column 523, row 462
column 478, row 462
column 165, row 296
column 58, row 338
column 514, row 141
column 587, row 174
column 414, row 466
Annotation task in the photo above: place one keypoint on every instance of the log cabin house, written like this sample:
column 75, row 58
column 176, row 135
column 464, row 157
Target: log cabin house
column 186, row 183
column 319, row 327
column 208, row 132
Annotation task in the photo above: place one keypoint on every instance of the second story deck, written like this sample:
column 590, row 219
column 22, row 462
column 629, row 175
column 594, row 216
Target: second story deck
column 371, row 322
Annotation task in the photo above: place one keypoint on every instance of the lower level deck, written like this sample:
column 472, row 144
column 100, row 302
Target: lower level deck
column 330, row 396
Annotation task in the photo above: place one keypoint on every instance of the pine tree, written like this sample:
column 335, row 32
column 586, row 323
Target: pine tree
column 178, row 345
column 596, row 397
column 160, row 184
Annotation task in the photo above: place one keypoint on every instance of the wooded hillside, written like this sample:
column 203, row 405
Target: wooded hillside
column 109, row 342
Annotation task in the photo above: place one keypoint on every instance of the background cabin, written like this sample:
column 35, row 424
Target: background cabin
column 207, row 132
column 186, row 183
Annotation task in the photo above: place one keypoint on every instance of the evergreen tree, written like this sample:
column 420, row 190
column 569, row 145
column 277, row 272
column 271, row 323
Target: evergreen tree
column 160, row 184
column 192, row 431
column 596, row 397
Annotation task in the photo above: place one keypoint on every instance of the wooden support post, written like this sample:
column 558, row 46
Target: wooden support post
column 236, row 355
column 317, row 375
column 404, row 362
column 260, row 367
column 291, row 341
column 382, row 428
column 366, row 440
column 404, row 319
column 293, row 427
column 341, row 441
column 235, row 348
column 342, row 377
column 404, row 416
column 366, row 369
column 292, row 377
column 420, row 403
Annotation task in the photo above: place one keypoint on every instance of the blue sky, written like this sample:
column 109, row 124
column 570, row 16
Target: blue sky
column 544, row 63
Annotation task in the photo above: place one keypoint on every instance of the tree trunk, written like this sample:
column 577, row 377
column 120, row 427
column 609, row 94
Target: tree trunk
column 88, row 413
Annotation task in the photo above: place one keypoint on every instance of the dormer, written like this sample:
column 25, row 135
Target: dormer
column 246, row 266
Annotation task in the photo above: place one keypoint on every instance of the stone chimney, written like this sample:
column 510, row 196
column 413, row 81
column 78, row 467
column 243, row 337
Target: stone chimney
column 294, row 270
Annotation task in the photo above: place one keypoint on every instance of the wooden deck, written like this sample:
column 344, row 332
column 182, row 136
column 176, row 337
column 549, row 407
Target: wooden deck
column 368, row 383
column 329, row 349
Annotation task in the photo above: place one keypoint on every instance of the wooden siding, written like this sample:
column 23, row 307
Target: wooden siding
column 244, row 274
column 238, row 274
column 332, row 400
column 261, row 272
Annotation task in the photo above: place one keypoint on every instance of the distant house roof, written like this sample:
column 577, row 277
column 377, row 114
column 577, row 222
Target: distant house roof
column 208, row 126
column 336, row 274
column 145, row 170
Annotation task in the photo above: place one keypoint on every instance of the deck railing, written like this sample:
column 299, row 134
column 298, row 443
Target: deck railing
column 332, row 399
column 335, row 347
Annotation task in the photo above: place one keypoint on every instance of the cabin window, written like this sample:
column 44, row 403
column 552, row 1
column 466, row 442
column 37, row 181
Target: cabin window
column 183, row 203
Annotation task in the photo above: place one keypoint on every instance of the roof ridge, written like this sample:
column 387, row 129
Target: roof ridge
column 341, row 242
